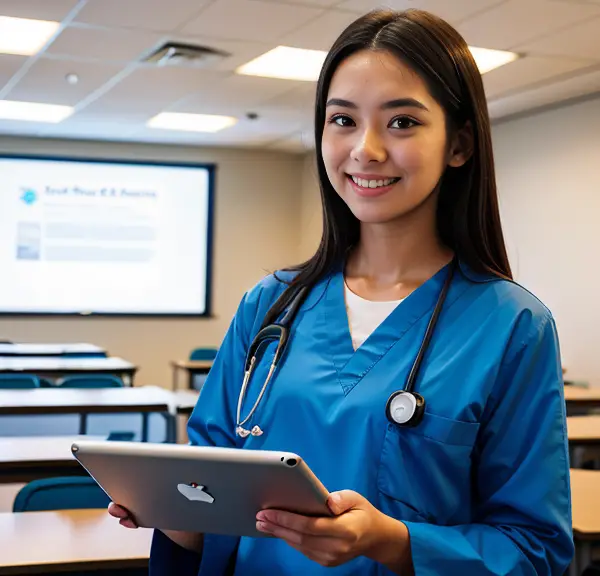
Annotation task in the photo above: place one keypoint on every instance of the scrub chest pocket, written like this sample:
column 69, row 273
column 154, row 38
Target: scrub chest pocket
column 425, row 472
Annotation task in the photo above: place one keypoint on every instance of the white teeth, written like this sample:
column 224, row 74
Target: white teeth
column 373, row 183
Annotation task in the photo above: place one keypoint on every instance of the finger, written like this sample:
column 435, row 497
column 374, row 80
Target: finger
column 298, row 523
column 344, row 500
column 127, row 523
column 306, row 542
column 117, row 511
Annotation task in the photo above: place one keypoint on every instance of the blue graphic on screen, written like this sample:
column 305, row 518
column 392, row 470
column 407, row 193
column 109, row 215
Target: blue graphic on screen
column 29, row 196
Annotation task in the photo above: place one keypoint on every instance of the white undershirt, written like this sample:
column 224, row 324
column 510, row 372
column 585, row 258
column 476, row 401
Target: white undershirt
column 364, row 316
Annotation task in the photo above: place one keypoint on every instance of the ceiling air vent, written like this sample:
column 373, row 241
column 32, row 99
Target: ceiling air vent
column 177, row 54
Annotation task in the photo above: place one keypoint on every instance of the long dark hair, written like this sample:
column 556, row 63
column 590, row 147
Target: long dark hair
column 468, row 219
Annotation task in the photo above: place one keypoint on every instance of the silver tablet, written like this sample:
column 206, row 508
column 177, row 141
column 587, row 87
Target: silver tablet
column 201, row 489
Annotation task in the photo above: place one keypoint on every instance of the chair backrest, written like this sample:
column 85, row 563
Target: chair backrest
column 60, row 494
column 203, row 354
column 19, row 381
column 91, row 381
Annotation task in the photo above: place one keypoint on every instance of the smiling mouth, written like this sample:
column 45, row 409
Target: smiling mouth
column 373, row 184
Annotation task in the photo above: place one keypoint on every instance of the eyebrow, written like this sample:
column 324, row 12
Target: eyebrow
column 398, row 103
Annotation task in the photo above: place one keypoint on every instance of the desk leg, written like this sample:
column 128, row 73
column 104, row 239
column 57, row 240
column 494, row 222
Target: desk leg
column 83, row 419
column 576, row 456
column 171, row 427
column 191, row 375
column 145, row 426
column 582, row 559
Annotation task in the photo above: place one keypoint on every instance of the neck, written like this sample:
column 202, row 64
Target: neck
column 406, row 251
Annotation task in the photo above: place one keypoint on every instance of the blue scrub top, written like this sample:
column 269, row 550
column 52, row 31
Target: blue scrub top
column 482, row 483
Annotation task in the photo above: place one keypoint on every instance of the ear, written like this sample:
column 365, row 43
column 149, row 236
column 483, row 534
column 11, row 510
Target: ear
column 461, row 147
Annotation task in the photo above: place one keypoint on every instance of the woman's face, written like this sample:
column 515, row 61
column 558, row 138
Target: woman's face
column 384, row 143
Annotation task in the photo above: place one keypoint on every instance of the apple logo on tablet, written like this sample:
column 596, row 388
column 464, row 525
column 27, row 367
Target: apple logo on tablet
column 195, row 493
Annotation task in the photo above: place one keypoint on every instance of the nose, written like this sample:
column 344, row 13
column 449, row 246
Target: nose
column 369, row 148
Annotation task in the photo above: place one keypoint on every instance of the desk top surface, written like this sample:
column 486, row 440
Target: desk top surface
column 75, row 400
column 38, row 450
column 192, row 364
column 34, row 349
column 577, row 394
column 35, row 542
column 63, row 364
column 185, row 400
column 583, row 428
column 585, row 491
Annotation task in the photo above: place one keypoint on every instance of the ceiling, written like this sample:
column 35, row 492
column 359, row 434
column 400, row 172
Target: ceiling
column 104, row 41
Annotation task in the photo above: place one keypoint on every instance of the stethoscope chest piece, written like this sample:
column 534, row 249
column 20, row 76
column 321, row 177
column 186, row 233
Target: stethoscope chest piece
column 405, row 408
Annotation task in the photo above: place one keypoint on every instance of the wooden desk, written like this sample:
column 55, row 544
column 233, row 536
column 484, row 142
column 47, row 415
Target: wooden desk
column 30, row 349
column 26, row 458
column 56, row 366
column 192, row 367
column 143, row 399
column 580, row 398
column 585, row 495
column 583, row 432
column 69, row 540
column 185, row 401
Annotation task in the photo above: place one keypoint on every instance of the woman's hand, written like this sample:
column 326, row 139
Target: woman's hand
column 192, row 541
column 122, row 514
column 357, row 529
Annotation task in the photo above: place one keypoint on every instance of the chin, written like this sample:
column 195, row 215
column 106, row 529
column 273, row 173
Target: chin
column 374, row 215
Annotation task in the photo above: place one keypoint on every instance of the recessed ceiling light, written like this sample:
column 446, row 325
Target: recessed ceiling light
column 24, row 36
column 287, row 63
column 300, row 64
column 34, row 111
column 487, row 59
column 190, row 122
column 72, row 78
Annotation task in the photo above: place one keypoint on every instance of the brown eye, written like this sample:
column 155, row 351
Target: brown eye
column 341, row 120
column 403, row 123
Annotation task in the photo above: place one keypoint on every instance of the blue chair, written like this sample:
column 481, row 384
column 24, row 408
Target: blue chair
column 60, row 494
column 197, row 380
column 203, row 354
column 91, row 381
column 19, row 381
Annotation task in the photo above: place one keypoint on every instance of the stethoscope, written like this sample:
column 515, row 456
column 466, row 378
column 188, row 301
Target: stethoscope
column 403, row 408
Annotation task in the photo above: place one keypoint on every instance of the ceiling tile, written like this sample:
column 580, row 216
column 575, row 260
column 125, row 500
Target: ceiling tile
column 103, row 44
column 580, row 41
column 453, row 11
column 86, row 127
column 319, row 3
column 301, row 98
column 527, row 72
column 515, row 22
column 20, row 128
column 150, row 90
column 9, row 65
column 45, row 81
column 156, row 15
column 55, row 10
column 255, row 20
column 234, row 95
column 321, row 33
column 239, row 51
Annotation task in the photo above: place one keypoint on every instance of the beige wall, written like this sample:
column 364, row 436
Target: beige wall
column 549, row 182
column 257, row 202
column 311, row 214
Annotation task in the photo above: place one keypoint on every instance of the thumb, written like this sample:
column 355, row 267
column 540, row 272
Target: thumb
column 342, row 501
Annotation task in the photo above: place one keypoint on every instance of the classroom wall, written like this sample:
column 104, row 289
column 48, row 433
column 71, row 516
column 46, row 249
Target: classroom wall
column 310, row 212
column 549, row 184
column 257, row 202
column 548, row 172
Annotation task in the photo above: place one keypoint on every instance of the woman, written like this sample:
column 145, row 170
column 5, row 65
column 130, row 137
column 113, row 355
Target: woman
column 481, row 485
